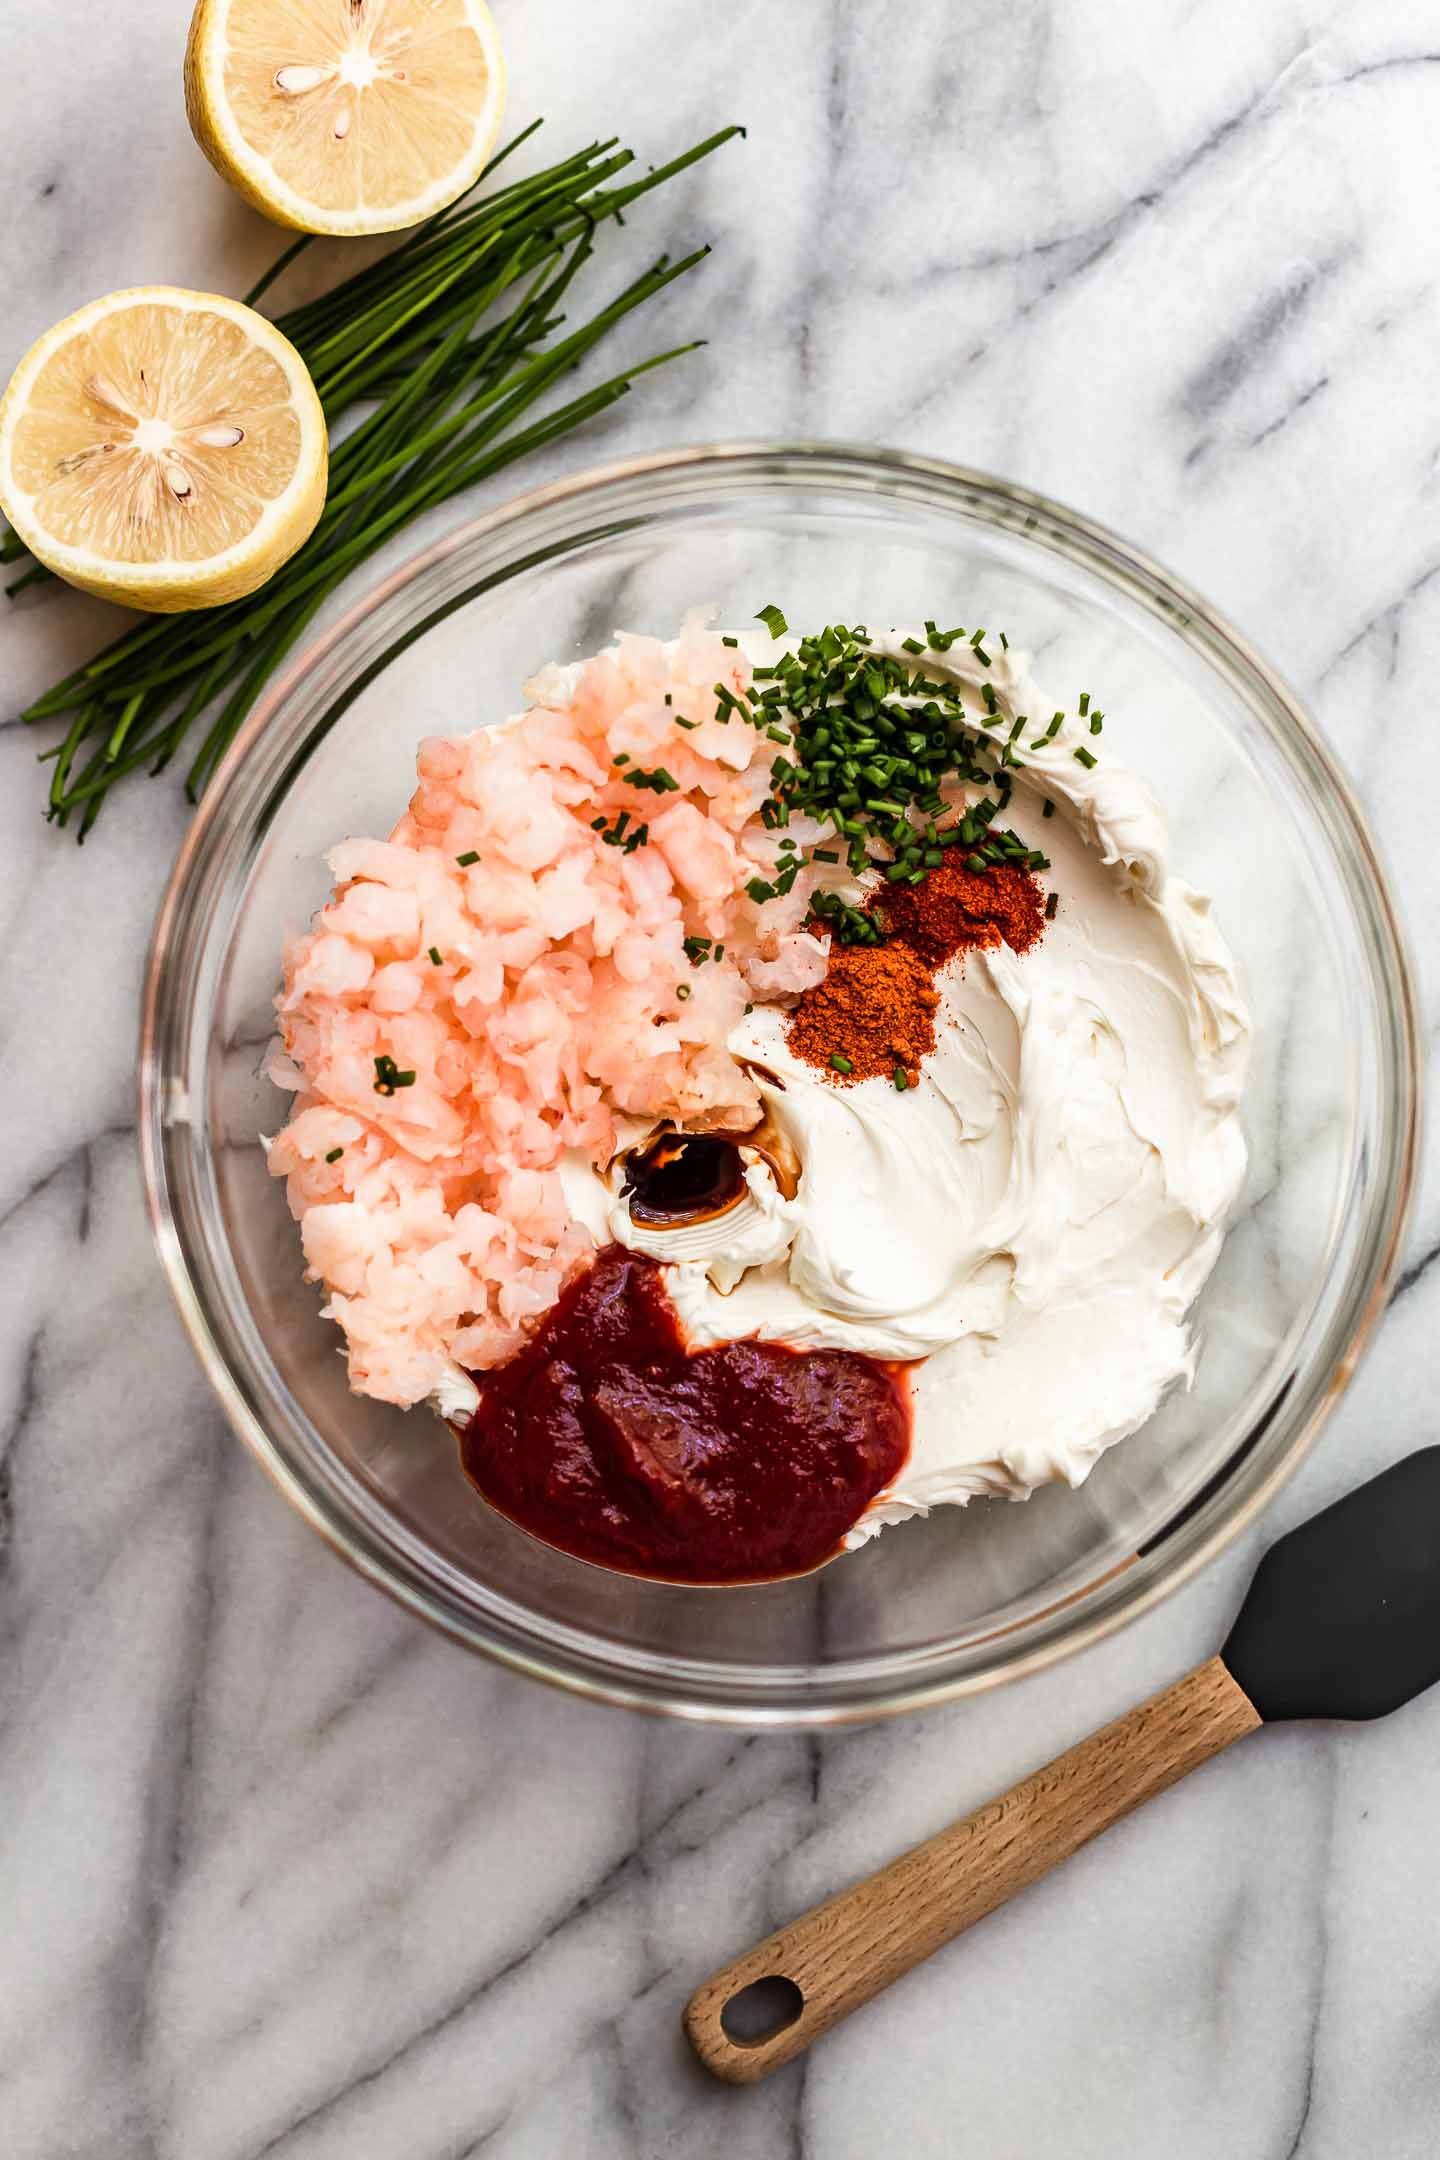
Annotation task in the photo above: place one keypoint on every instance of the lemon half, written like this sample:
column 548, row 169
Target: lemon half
column 165, row 449
column 345, row 116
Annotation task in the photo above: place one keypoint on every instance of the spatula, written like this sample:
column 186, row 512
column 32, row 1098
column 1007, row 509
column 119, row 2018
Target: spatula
column 1342, row 1621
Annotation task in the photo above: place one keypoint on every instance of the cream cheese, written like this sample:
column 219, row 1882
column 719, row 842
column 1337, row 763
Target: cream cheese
column 1031, row 1225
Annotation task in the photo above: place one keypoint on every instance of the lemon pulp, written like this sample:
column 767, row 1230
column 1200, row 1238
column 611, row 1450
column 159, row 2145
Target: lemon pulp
column 346, row 116
column 163, row 448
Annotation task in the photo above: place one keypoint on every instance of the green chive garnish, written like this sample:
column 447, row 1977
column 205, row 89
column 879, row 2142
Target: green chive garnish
column 730, row 641
column 839, row 1063
column 682, row 991
column 1086, row 758
column 388, row 1077
column 435, row 950
column 773, row 620
column 1050, row 906
column 471, row 855
column 1049, row 810
column 335, row 1154
column 901, row 1078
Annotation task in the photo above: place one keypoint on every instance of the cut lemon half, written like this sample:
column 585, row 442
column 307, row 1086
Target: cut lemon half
column 345, row 116
column 164, row 449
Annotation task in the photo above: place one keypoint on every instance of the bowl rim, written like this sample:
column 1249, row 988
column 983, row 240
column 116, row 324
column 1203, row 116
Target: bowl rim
column 575, row 1665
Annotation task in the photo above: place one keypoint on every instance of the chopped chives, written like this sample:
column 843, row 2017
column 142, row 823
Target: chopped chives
column 773, row 620
column 1049, row 810
column 683, row 991
column 335, row 1154
column 902, row 1079
column 687, row 724
column 730, row 641
column 436, row 956
column 1086, row 758
column 840, row 1063
column 1096, row 722
column 1084, row 703
column 621, row 757
column 1050, row 906
column 388, row 1077
column 471, row 855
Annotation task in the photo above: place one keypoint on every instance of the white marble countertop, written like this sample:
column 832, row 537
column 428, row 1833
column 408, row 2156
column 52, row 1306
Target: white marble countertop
column 281, row 1873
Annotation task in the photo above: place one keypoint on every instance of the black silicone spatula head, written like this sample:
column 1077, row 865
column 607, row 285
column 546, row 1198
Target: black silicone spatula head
column 1343, row 1617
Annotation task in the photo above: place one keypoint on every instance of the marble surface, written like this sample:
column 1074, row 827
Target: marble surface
column 280, row 1872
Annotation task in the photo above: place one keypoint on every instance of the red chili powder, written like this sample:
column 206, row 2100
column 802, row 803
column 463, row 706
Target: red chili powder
column 876, row 1006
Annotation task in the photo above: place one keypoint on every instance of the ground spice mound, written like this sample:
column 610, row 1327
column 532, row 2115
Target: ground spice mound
column 874, row 1006
column 955, row 908
column 874, row 1011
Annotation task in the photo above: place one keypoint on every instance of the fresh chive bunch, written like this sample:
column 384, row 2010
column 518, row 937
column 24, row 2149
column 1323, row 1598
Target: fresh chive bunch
column 869, row 739
column 439, row 351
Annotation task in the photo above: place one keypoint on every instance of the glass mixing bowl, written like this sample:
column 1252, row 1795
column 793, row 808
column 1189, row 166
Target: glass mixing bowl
column 1261, row 819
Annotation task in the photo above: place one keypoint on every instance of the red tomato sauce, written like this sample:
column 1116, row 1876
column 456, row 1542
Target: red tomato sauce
column 608, row 1437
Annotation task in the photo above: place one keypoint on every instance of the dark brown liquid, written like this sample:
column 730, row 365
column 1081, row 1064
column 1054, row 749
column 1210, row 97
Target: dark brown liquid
column 683, row 1177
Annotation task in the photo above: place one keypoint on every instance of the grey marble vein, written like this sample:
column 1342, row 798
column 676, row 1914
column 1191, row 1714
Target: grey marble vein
column 281, row 1873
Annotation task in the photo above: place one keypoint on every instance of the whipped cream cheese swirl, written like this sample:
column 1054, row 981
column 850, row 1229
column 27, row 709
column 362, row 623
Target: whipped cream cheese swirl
column 1032, row 1223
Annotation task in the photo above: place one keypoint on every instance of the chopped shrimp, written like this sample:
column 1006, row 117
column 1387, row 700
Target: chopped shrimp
column 506, row 948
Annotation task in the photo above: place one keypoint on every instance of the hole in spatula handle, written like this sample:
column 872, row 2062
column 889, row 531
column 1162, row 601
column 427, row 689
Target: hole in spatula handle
column 762, row 2010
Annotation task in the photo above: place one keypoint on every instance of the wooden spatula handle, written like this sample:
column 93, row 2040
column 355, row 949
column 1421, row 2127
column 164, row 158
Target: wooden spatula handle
column 846, row 1951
